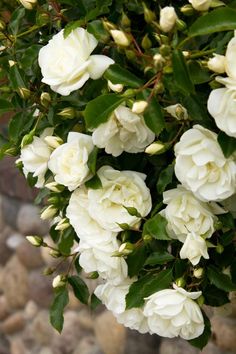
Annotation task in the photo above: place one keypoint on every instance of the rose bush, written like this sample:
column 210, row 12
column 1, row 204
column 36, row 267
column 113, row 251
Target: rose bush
column 123, row 117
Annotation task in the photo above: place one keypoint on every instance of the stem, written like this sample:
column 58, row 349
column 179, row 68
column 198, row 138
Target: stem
column 33, row 28
column 181, row 44
column 202, row 53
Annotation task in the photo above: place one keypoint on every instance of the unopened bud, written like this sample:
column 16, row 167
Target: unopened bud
column 202, row 5
column 126, row 248
column 109, row 25
column 125, row 21
column 24, row 93
column 168, row 18
column 168, row 69
column 217, row 63
column 59, row 281
column 13, row 151
column 54, row 200
column 120, row 38
column 159, row 61
column 181, row 25
column 149, row 15
column 53, row 141
column 159, row 88
column 55, row 253
column 219, row 248
column 2, row 25
column 48, row 271
column 28, row 4
column 147, row 238
column 187, row 10
column 139, row 107
column 177, row 111
column 146, row 42
column 42, row 19
column 27, row 139
column 54, row 187
column 45, row 99
column 165, row 50
column 12, row 63
column 180, row 282
column 201, row 300
column 48, row 212
column 129, row 92
column 36, row 241
column 130, row 54
column 115, row 87
column 155, row 148
column 93, row 275
column 62, row 225
column 198, row 273
column 67, row 113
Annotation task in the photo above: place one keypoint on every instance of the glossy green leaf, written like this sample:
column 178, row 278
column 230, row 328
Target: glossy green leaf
column 227, row 144
column 156, row 227
column 203, row 339
column 16, row 19
column 136, row 260
column 92, row 160
column 215, row 297
column 118, row 75
column 94, row 183
column 181, row 73
column 66, row 241
column 153, row 114
column 61, row 299
column 80, row 289
column 220, row 280
column 97, row 29
column 5, row 106
column 159, row 258
column 165, row 178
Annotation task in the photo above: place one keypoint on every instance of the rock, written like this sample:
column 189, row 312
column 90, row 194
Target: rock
column 1, row 278
column 176, row 346
column 4, row 344
column 4, row 308
column 2, row 221
column 46, row 350
column 88, row 345
column 17, row 346
column 29, row 255
column 211, row 348
column 45, row 253
column 74, row 303
column 14, row 241
column 29, row 222
column 224, row 330
column 110, row 335
column 67, row 341
column 42, row 329
column 15, row 280
column 13, row 323
column 30, row 310
column 40, row 288
column 10, row 209
column 138, row 343
column 85, row 320
column 5, row 251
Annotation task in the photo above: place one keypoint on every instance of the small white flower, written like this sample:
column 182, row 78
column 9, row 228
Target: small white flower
column 67, row 63
column 194, row 248
column 200, row 5
column 115, row 87
column 217, row 63
column 172, row 313
column 68, row 162
column 124, row 131
column 168, row 18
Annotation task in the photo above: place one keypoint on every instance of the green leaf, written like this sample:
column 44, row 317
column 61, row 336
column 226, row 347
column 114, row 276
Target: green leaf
column 223, row 19
column 124, row 226
column 72, row 26
column 153, row 114
column 61, row 299
column 92, row 160
column 227, row 220
column 66, row 241
column 77, row 265
column 202, row 340
column 136, row 260
column 30, row 57
column 220, row 280
column 97, row 29
column 198, row 74
column 80, row 288
column 215, row 297
column 196, row 109
column 16, row 19
column 5, row 106
column 156, row 227
column 159, row 258
column 94, row 183
column 180, row 267
column 118, row 75
column 16, row 77
column 227, row 238
column 147, row 286
column 227, row 144
column 181, row 73
column 133, row 211
column 94, row 302
column 165, row 178
column 99, row 110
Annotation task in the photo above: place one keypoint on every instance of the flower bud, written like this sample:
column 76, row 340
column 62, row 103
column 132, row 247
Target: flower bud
column 147, row 238
column 93, row 275
column 54, row 200
column 165, row 50
column 55, row 253
column 125, row 21
column 2, row 25
column 177, row 111
column 115, row 87
column 120, row 38
column 126, row 248
column 55, row 187
column 198, row 273
column 155, row 148
column 159, row 61
column 180, row 282
column 180, row 24
column 108, row 25
column 149, row 15
column 62, row 225
column 219, row 248
column 217, row 63
column 48, row 271
column 42, row 19
column 201, row 300
column 200, row 5
column 45, row 99
column 24, row 93
column 53, row 141
column 146, row 42
column 27, row 139
column 59, row 281
column 48, row 212
column 139, row 107
column 187, row 10
column 67, row 113
column 130, row 54
column 36, row 241
column 159, row 88
column 168, row 18
column 28, row 4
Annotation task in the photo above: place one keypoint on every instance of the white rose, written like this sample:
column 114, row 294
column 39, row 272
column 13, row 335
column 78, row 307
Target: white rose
column 168, row 18
column 113, row 297
column 67, row 63
column 194, row 248
column 217, row 63
column 201, row 166
column 68, row 162
column 200, row 5
column 35, row 156
column 186, row 214
column 172, row 313
column 222, row 106
column 230, row 64
column 28, row 4
column 119, row 189
column 124, row 131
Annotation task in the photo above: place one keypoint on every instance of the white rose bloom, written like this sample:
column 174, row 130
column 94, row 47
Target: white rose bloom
column 68, row 162
column 168, row 18
column 217, row 63
column 230, row 64
column 113, row 297
column 186, row 214
column 200, row 5
column 67, row 63
column 119, row 189
column 222, row 107
column 172, row 313
column 201, row 166
column 194, row 248
column 124, row 131
column 35, row 156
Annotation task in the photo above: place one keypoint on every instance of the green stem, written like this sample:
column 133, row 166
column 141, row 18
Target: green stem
column 31, row 29
column 202, row 53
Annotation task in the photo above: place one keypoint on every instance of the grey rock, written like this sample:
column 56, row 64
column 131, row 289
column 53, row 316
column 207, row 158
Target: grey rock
column 30, row 310
column 29, row 222
column 14, row 241
column 176, row 346
column 41, row 328
column 88, row 345
column 40, row 288
column 224, row 330
column 4, row 307
column 5, row 251
column 29, row 255
column 138, row 343
column 10, row 209
column 13, row 323
column 17, row 346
